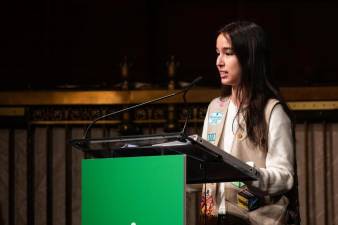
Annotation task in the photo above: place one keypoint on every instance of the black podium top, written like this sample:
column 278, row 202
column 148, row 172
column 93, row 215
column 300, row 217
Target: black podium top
column 205, row 162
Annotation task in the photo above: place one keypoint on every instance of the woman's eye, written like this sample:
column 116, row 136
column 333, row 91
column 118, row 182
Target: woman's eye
column 229, row 52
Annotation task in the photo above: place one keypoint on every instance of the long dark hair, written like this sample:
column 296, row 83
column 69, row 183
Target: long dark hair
column 250, row 45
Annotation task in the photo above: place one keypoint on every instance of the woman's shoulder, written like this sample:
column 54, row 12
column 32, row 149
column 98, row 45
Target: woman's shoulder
column 276, row 111
column 219, row 100
column 270, row 105
column 272, row 102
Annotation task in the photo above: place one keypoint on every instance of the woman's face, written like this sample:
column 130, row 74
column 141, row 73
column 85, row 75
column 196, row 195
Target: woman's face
column 227, row 62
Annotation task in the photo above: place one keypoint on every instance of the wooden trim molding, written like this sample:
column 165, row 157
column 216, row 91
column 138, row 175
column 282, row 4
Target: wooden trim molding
column 313, row 105
column 196, row 95
column 99, row 97
column 12, row 111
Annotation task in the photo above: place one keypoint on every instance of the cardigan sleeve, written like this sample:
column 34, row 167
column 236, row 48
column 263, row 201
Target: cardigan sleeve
column 278, row 176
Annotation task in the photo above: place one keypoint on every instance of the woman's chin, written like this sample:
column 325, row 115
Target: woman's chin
column 225, row 82
column 230, row 82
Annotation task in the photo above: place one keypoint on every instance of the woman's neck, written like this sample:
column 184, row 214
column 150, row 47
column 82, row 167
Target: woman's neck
column 234, row 96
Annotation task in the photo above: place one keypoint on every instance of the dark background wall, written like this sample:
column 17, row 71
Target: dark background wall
column 48, row 44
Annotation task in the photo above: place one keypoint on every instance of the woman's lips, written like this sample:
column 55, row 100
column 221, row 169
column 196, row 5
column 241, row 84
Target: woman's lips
column 223, row 74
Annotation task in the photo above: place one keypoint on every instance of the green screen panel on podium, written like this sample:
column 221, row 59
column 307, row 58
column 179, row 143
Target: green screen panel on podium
column 134, row 191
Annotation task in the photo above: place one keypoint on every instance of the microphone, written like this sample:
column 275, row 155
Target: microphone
column 196, row 80
column 184, row 90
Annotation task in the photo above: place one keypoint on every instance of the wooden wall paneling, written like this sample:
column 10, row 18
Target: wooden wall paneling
column 11, row 181
column 21, row 177
column 320, row 173
column 326, row 174
column 41, row 176
column 311, row 207
column 69, row 175
column 96, row 132
column 77, row 156
column 6, row 183
column 334, row 197
column 30, row 175
column 302, row 169
column 59, row 175
column 329, row 170
column 50, row 181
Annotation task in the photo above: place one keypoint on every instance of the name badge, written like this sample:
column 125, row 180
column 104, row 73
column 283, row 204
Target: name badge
column 247, row 200
column 215, row 118
column 211, row 137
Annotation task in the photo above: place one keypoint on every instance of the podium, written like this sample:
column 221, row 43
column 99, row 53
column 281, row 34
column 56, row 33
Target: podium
column 141, row 180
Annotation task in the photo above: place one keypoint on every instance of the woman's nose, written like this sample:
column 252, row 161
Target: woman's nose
column 219, row 61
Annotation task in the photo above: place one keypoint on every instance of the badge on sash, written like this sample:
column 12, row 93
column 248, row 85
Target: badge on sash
column 247, row 200
column 221, row 102
column 211, row 137
column 215, row 118
column 238, row 184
